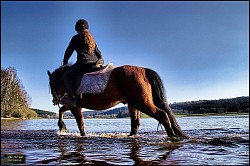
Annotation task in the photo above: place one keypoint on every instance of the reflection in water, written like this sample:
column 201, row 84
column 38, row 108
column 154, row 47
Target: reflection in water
column 33, row 124
column 75, row 155
column 103, row 149
column 12, row 124
column 218, row 145
column 93, row 149
column 142, row 156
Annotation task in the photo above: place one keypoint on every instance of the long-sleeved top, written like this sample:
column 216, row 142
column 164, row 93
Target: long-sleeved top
column 77, row 43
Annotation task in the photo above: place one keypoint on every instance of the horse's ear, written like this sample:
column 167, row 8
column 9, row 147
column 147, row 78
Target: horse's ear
column 49, row 73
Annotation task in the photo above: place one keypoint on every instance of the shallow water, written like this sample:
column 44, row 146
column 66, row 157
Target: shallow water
column 215, row 140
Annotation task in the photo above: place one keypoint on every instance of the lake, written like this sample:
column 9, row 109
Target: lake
column 215, row 140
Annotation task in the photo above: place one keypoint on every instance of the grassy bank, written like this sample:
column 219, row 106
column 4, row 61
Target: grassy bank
column 178, row 115
column 11, row 118
column 211, row 114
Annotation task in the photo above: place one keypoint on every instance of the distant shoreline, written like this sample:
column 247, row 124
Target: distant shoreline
column 211, row 114
column 177, row 115
column 11, row 118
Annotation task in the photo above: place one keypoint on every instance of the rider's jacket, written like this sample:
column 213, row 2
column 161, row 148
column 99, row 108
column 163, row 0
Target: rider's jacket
column 77, row 43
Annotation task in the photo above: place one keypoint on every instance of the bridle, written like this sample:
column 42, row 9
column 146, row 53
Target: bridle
column 57, row 98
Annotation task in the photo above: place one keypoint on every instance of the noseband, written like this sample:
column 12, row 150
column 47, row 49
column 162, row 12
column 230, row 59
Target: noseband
column 57, row 99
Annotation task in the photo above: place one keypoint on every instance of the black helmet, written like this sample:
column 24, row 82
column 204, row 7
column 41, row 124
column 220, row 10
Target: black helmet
column 81, row 25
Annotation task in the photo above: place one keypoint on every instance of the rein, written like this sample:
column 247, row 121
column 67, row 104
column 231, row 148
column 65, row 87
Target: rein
column 55, row 93
column 59, row 99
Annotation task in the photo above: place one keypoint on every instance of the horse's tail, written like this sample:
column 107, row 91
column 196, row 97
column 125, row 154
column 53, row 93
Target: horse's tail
column 160, row 100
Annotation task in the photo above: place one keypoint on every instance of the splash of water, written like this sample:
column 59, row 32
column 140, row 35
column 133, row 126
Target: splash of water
column 68, row 134
column 94, row 135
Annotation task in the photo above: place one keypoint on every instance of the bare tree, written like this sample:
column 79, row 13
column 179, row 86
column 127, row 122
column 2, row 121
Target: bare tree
column 14, row 99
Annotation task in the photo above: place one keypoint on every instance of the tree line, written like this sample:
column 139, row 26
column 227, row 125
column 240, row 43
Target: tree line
column 238, row 104
column 14, row 99
column 45, row 114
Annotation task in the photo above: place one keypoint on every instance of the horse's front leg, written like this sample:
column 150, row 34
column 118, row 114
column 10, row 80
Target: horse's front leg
column 79, row 119
column 135, row 120
column 61, row 124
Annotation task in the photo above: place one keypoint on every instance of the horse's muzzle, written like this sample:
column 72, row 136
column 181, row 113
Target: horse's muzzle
column 55, row 102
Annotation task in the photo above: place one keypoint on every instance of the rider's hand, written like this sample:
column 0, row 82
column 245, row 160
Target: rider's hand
column 63, row 64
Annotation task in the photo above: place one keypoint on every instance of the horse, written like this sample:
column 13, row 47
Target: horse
column 138, row 87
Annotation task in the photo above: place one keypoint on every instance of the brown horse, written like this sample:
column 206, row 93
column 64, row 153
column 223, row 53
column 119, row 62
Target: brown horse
column 140, row 88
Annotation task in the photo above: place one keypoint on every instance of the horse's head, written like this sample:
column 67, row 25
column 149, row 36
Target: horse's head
column 56, row 84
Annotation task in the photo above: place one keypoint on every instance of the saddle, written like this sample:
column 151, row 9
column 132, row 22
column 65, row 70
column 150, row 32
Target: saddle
column 94, row 82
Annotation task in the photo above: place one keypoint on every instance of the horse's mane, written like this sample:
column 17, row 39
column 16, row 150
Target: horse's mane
column 61, row 69
column 57, row 76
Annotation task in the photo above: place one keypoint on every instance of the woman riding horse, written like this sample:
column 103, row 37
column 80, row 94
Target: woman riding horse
column 140, row 88
column 87, row 56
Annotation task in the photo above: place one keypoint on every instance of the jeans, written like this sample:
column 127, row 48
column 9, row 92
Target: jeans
column 77, row 69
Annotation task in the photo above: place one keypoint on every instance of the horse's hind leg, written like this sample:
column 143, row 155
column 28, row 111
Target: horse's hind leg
column 135, row 120
column 161, row 116
column 61, row 124
column 79, row 119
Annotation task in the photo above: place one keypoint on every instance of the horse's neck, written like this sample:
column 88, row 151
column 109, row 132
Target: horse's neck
column 61, row 83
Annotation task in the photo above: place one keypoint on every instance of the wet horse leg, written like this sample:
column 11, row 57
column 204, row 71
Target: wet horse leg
column 61, row 124
column 135, row 120
column 161, row 116
column 79, row 119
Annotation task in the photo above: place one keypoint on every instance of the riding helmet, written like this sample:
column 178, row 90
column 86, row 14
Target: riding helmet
column 81, row 25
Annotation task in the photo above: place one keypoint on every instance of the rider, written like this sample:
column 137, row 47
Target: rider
column 87, row 56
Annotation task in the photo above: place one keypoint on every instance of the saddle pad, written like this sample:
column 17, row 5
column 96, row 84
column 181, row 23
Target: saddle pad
column 95, row 82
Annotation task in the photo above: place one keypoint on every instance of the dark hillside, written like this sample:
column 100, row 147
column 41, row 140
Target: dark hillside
column 238, row 104
column 44, row 114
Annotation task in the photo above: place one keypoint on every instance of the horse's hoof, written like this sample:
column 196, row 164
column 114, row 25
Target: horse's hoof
column 64, row 131
column 83, row 134
column 132, row 134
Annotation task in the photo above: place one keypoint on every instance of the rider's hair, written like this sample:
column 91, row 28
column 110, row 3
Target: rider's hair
column 89, row 40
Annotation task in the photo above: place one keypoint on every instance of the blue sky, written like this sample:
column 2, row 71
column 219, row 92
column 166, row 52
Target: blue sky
column 199, row 49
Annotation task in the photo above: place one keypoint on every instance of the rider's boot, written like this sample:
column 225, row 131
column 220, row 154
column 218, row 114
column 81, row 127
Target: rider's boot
column 69, row 101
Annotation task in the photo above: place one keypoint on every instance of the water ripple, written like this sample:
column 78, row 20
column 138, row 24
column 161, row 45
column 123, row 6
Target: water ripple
column 215, row 146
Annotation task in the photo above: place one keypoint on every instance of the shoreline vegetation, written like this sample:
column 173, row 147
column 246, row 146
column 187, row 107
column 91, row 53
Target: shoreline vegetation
column 222, row 107
column 177, row 115
column 212, row 114
column 14, row 99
